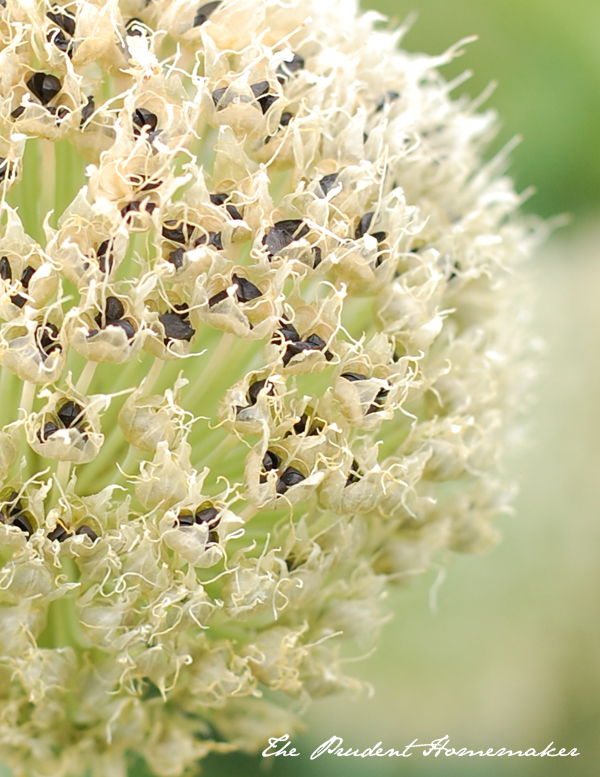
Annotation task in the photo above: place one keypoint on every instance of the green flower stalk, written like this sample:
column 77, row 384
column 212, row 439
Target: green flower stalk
column 260, row 346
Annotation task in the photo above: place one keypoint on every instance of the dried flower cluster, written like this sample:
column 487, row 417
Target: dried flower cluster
column 258, row 350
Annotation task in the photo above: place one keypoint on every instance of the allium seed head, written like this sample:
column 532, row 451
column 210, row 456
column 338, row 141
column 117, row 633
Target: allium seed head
column 259, row 350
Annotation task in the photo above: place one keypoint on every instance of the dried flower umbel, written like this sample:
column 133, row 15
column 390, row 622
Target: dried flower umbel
column 257, row 358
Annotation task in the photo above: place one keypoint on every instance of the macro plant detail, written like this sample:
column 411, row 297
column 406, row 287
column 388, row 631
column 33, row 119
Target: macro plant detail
column 260, row 349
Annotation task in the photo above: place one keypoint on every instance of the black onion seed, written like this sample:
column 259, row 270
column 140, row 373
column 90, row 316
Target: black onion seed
column 353, row 376
column 5, row 269
column 69, row 413
column 18, row 112
column 184, row 518
column 63, row 19
column 27, row 275
column 288, row 68
column 124, row 324
column 47, row 338
column 220, row 198
column 290, row 477
column 266, row 101
column 136, row 206
column 327, row 183
column 60, row 40
column 4, row 168
column 23, row 523
column 105, row 255
column 388, row 98
column 300, row 425
column 204, row 11
column 363, row 225
column 284, row 232
column 176, row 328
column 18, row 300
column 143, row 120
column 208, row 515
column 113, row 309
column 176, row 258
column 135, row 27
column 318, row 257
column 183, row 310
column 234, row 212
column 260, row 91
column 44, row 86
column 379, row 401
column 85, row 530
column 255, row 389
column 354, row 476
column 313, row 342
column 219, row 297
column 59, row 533
column 245, row 291
column 260, row 88
column 49, row 429
column 289, row 332
column 178, row 231
column 213, row 239
column 87, row 110
column 217, row 95
column 271, row 461
column 285, row 119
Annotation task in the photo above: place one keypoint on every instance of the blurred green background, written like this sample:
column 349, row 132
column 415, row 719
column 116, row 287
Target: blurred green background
column 511, row 657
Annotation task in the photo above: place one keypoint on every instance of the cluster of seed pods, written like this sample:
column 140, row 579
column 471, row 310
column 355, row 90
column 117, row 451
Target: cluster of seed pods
column 259, row 350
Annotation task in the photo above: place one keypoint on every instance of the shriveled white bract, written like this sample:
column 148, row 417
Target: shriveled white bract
column 259, row 351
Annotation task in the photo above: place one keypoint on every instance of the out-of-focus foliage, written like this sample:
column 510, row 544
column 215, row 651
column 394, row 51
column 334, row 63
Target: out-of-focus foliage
column 545, row 56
